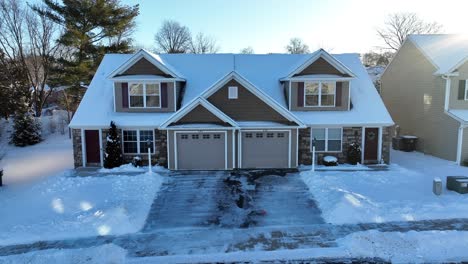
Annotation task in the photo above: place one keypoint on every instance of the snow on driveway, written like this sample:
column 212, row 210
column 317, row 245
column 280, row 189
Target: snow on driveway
column 70, row 207
column 286, row 201
column 402, row 193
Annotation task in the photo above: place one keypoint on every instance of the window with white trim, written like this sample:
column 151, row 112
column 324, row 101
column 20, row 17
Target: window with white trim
column 232, row 92
column 466, row 90
column 319, row 93
column 135, row 141
column 144, row 95
column 327, row 139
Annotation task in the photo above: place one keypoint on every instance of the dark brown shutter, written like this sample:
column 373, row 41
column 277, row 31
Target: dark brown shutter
column 300, row 94
column 124, row 95
column 461, row 89
column 339, row 88
column 164, row 95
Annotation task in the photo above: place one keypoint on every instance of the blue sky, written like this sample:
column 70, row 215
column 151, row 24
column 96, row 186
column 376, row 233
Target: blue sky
column 267, row 25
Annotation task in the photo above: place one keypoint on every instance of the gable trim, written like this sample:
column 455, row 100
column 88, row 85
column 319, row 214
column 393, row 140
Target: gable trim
column 187, row 109
column 146, row 55
column 328, row 58
column 253, row 89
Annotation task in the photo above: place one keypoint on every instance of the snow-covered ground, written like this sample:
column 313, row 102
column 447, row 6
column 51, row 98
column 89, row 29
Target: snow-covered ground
column 403, row 193
column 69, row 207
column 43, row 200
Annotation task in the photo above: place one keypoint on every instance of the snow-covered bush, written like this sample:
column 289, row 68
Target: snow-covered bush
column 354, row 153
column 330, row 161
column 137, row 162
column 26, row 130
column 113, row 154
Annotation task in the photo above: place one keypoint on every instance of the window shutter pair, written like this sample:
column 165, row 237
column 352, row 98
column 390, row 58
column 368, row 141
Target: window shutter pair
column 461, row 89
column 300, row 94
column 163, row 95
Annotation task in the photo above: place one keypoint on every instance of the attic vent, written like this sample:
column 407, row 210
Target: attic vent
column 232, row 94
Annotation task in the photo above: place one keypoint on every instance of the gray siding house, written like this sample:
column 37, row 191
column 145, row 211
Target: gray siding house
column 426, row 92
column 230, row 111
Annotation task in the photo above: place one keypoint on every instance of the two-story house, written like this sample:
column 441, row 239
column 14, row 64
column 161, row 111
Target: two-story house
column 229, row 111
column 425, row 89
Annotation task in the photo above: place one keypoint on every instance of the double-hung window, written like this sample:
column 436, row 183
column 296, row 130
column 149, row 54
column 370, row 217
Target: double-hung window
column 319, row 93
column 135, row 141
column 144, row 95
column 327, row 139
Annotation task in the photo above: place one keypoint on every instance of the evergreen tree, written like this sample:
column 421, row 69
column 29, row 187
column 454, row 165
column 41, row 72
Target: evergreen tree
column 91, row 28
column 26, row 130
column 113, row 154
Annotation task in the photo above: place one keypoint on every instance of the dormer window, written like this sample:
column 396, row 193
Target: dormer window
column 319, row 93
column 144, row 95
column 232, row 92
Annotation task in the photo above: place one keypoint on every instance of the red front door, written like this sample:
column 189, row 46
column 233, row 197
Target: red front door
column 92, row 146
column 371, row 143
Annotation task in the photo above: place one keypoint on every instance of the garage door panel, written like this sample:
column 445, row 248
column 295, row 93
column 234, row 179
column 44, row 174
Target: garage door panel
column 265, row 149
column 201, row 151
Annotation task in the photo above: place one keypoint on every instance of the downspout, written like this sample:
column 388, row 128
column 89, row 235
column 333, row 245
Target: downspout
column 459, row 144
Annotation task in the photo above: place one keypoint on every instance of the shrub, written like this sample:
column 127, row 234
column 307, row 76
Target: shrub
column 137, row 161
column 113, row 154
column 330, row 161
column 354, row 153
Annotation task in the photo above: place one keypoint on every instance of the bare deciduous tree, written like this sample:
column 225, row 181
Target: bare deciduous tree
column 173, row 38
column 399, row 25
column 248, row 50
column 296, row 46
column 27, row 39
column 203, row 44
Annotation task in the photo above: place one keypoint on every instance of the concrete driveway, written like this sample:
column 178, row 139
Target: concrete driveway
column 198, row 199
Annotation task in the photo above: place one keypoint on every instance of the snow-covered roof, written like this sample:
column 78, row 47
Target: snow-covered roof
column 460, row 114
column 445, row 51
column 201, row 71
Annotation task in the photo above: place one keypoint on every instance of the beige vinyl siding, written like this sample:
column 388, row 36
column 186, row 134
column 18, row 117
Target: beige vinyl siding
column 118, row 101
column 415, row 99
column 320, row 66
column 454, row 102
column 464, row 153
column 247, row 107
column 144, row 67
column 344, row 100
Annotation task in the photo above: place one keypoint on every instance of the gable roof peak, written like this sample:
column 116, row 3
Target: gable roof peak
column 153, row 58
column 314, row 56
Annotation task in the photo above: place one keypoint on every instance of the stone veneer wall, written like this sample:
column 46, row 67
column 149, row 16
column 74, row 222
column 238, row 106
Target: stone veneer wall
column 77, row 148
column 386, row 144
column 160, row 156
column 350, row 135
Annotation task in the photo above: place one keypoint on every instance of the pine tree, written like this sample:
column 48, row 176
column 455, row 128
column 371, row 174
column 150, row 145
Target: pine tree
column 113, row 154
column 26, row 130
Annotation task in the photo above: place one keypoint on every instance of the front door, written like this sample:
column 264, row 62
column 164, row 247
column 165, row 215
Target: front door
column 93, row 155
column 371, row 143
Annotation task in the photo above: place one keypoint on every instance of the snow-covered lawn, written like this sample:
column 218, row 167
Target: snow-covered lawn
column 69, row 207
column 49, row 157
column 403, row 193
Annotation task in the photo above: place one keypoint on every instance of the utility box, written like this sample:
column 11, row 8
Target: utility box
column 408, row 143
column 437, row 186
column 458, row 184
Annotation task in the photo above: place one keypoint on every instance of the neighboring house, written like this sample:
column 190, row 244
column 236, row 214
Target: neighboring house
column 226, row 111
column 425, row 90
